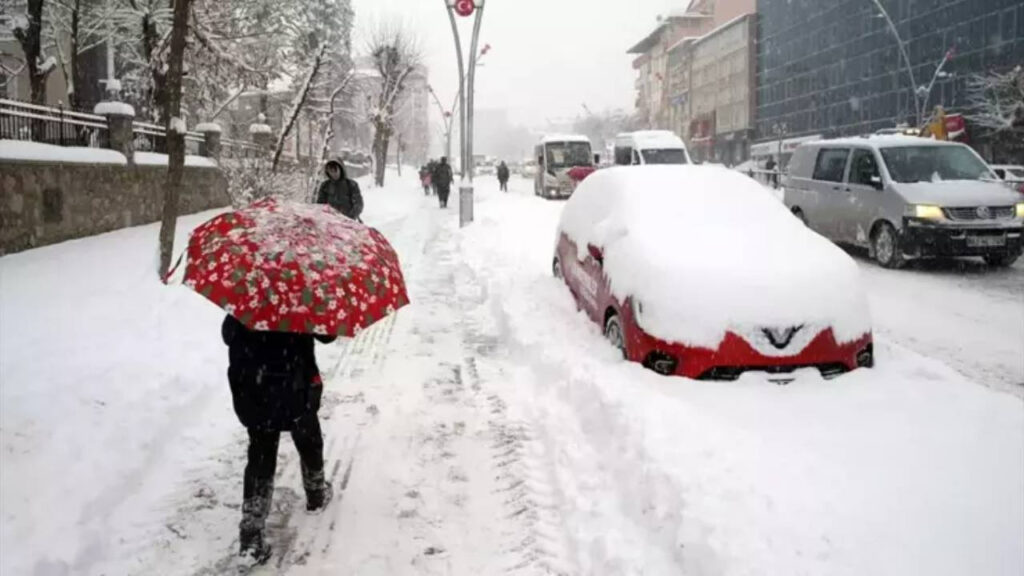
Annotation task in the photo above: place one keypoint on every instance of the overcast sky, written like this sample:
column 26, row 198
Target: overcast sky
column 548, row 57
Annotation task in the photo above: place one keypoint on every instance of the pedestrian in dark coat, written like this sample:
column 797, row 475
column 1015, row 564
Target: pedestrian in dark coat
column 503, row 176
column 340, row 192
column 773, row 175
column 275, row 387
column 442, row 179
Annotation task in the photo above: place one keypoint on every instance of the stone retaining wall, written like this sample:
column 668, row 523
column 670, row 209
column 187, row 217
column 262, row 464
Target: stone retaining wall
column 44, row 203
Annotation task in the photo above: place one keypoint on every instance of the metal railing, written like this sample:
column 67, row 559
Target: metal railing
column 58, row 126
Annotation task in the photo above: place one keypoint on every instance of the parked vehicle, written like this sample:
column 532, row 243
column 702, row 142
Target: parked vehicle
column 650, row 147
column 700, row 272
column 563, row 161
column 1012, row 176
column 905, row 197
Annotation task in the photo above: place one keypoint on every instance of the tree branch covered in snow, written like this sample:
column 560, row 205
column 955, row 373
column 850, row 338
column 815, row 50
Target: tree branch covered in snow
column 996, row 100
column 396, row 54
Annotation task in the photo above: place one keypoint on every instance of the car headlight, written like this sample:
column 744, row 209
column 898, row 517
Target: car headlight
column 1020, row 210
column 926, row 212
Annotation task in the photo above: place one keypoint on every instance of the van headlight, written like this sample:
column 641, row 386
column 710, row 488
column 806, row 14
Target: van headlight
column 926, row 212
column 1020, row 210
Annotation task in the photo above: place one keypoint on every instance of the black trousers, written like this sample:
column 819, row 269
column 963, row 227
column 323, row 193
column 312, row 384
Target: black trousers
column 258, row 486
column 442, row 195
column 504, row 185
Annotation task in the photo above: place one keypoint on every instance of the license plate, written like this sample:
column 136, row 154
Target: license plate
column 986, row 241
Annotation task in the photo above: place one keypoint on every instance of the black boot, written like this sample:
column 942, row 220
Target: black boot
column 318, row 490
column 253, row 548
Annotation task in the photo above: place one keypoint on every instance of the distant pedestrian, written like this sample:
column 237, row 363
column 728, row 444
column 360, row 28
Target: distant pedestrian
column 340, row 192
column 442, row 179
column 275, row 387
column 773, row 176
column 425, row 179
column 503, row 176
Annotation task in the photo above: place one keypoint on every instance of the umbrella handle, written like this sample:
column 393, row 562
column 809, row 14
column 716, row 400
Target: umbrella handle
column 174, row 268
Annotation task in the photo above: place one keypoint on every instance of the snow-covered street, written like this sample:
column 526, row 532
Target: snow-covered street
column 488, row 428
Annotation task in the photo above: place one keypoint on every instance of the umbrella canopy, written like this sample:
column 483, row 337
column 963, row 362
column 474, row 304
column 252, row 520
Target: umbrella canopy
column 289, row 267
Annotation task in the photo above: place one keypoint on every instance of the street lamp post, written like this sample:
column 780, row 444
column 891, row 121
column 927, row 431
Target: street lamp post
column 780, row 129
column 466, row 8
column 906, row 58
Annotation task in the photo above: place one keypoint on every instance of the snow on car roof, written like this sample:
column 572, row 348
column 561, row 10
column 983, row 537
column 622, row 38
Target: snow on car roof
column 549, row 138
column 653, row 139
column 706, row 249
column 882, row 141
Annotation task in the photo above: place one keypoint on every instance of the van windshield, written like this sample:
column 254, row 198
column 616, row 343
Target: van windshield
column 910, row 164
column 664, row 156
column 568, row 154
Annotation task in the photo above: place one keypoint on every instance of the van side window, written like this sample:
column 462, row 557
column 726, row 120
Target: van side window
column 863, row 167
column 636, row 158
column 831, row 164
column 623, row 155
column 1001, row 173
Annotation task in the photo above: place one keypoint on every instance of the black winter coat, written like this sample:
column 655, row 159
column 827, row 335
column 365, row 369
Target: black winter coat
column 442, row 177
column 343, row 195
column 273, row 375
column 503, row 173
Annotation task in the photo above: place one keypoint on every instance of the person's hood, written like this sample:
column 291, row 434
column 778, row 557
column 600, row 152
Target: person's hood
column 958, row 193
column 339, row 163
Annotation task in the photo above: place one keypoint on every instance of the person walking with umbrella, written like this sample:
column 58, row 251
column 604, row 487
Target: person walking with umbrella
column 339, row 191
column 287, row 274
column 503, row 176
column 442, row 179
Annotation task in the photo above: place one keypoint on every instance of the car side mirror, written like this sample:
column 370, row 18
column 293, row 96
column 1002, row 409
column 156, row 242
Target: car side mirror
column 876, row 182
column 596, row 253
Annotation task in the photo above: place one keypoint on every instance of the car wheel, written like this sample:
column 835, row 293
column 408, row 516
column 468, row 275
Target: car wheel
column 556, row 269
column 800, row 215
column 614, row 333
column 886, row 247
column 1001, row 260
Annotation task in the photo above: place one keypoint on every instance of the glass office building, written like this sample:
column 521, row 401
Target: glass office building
column 833, row 67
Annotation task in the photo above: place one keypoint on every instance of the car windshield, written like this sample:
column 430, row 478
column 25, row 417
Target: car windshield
column 909, row 164
column 1016, row 173
column 568, row 154
column 665, row 156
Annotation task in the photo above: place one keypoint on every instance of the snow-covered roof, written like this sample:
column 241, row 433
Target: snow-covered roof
column 652, row 139
column 548, row 138
column 724, row 26
column 706, row 250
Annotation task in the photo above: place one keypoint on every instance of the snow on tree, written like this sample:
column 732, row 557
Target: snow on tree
column 395, row 54
column 27, row 26
column 996, row 100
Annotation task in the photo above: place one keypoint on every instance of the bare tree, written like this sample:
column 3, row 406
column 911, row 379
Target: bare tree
column 175, row 132
column 396, row 54
column 996, row 100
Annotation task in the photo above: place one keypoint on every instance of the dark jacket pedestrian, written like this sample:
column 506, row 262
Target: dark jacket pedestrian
column 442, row 179
column 275, row 386
column 773, row 176
column 503, row 176
column 340, row 192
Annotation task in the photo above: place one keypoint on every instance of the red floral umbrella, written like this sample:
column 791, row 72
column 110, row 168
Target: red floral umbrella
column 289, row 267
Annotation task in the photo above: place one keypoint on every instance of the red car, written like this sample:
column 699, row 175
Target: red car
column 698, row 271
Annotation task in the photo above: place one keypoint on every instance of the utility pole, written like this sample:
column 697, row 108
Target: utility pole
column 906, row 59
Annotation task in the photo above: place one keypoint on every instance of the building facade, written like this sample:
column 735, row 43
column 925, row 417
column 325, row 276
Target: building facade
column 721, row 92
column 833, row 67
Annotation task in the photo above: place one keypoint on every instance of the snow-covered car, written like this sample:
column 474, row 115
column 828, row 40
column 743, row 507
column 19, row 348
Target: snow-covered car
column 698, row 271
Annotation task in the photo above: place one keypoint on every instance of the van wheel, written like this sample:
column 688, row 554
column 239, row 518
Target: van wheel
column 1001, row 260
column 613, row 332
column 886, row 247
column 800, row 215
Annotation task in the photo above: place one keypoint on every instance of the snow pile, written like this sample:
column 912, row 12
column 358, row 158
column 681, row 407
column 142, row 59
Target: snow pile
column 155, row 159
column 23, row 150
column 208, row 127
column 114, row 108
column 260, row 129
column 704, row 250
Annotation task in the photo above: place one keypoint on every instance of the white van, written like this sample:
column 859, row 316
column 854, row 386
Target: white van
column 650, row 147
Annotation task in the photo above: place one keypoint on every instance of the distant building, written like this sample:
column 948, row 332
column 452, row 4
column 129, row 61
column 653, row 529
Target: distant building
column 833, row 67
column 722, row 92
